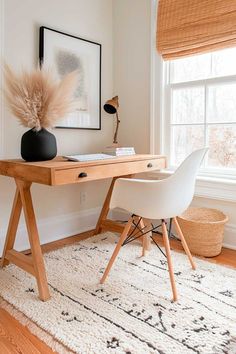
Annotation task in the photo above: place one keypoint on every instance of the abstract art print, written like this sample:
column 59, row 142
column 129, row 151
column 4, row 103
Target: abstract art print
column 65, row 53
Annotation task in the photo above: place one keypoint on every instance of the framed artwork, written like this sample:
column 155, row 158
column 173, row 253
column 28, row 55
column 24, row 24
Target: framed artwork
column 65, row 53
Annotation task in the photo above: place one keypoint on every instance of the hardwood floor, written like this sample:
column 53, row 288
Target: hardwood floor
column 227, row 256
column 17, row 339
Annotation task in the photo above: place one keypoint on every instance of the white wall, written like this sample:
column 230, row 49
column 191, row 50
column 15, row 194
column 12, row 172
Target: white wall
column 132, row 81
column 57, row 208
column 132, row 70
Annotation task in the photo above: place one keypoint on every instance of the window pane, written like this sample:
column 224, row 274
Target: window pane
column 192, row 68
column 222, row 103
column 184, row 140
column 188, row 105
column 223, row 62
column 222, row 143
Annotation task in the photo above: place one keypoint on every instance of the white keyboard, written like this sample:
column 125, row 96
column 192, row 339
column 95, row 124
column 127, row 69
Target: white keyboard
column 89, row 157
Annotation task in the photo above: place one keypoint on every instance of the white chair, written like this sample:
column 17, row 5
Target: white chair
column 161, row 199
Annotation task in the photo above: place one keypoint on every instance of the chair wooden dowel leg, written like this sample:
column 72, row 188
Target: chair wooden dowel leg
column 117, row 249
column 169, row 260
column 144, row 239
column 145, row 246
column 184, row 243
column 148, row 224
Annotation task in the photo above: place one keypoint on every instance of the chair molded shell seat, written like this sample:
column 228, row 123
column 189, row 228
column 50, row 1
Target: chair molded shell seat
column 164, row 199
column 161, row 199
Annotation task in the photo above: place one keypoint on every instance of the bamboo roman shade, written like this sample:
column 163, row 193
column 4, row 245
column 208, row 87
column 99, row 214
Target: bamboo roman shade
column 187, row 27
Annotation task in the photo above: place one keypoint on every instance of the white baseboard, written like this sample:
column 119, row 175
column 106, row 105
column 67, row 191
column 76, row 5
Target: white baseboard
column 229, row 234
column 55, row 228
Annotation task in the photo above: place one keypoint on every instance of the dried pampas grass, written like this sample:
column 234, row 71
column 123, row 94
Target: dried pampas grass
column 37, row 99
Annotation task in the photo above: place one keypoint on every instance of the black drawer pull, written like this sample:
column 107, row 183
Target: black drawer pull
column 83, row 174
column 149, row 165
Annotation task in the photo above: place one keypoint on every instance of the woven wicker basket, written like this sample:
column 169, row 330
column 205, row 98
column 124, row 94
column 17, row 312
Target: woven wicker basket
column 203, row 229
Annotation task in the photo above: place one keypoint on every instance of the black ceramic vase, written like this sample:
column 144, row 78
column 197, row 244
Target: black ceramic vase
column 38, row 145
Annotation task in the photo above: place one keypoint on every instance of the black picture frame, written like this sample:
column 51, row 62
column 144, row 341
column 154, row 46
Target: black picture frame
column 47, row 57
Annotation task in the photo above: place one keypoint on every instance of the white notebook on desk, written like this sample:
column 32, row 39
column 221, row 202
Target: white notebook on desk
column 89, row 157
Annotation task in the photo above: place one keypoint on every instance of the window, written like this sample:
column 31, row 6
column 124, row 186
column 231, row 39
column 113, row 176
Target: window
column 200, row 109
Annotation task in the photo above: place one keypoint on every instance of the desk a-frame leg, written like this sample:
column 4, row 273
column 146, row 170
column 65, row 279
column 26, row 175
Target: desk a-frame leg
column 12, row 227
column 105, row 210
column 32, row 264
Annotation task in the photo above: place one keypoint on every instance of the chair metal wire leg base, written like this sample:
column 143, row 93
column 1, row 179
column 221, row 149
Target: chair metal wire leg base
column 125, row 238
column 140, row 230
column 137, row 232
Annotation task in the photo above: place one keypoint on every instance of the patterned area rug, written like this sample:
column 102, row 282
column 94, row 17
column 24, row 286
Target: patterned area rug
column 132, row 313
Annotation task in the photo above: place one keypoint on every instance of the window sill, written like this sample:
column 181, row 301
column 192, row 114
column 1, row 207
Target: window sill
column 207, row 187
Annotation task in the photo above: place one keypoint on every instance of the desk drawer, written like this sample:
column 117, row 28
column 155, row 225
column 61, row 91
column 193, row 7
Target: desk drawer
column 91, row 173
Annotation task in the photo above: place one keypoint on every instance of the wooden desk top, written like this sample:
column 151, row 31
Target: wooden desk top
column 61, row 171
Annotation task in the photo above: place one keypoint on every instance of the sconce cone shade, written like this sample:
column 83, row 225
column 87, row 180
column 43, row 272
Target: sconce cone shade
column 112, row 105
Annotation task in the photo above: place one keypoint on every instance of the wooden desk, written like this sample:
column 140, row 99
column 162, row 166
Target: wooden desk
column 59, row 172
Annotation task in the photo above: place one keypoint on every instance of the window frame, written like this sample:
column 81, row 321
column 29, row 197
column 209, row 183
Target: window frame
column 212, row 188
column 166, row 111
